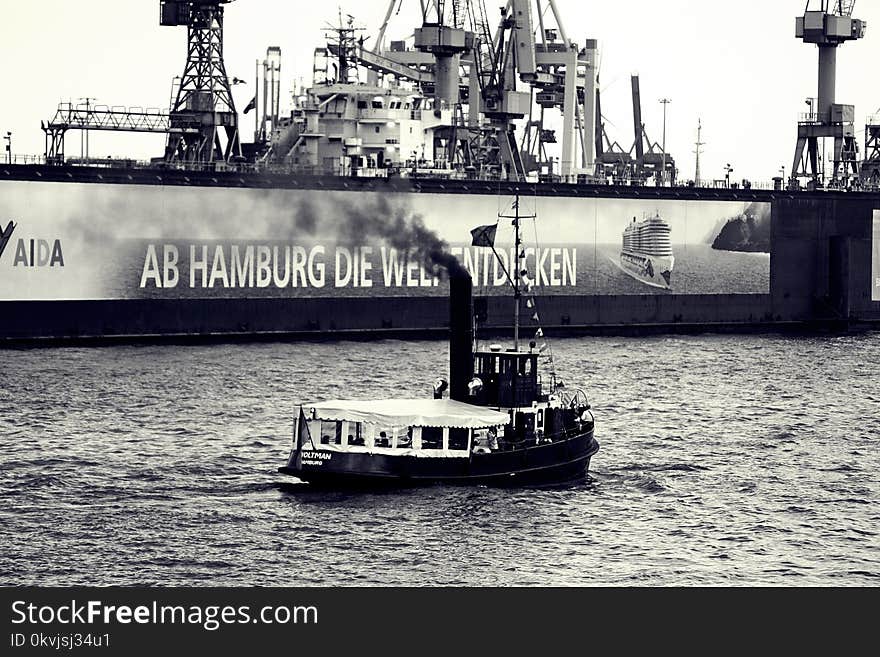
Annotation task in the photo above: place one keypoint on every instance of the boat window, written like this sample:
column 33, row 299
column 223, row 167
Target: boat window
column 485, row 439
column 331, row 432
column 383, row 438
column 458, row 438
column 432, row 438
column 355, row 434
column 314, row 433
column 404, row 438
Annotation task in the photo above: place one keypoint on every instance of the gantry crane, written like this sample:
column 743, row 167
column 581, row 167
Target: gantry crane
column 828, row 24
column 202, row 114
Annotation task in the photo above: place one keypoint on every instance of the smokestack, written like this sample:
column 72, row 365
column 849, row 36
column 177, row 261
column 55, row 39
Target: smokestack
column 461, row 338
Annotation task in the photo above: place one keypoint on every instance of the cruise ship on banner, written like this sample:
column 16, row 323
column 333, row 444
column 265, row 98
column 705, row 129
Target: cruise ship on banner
column 646, row 254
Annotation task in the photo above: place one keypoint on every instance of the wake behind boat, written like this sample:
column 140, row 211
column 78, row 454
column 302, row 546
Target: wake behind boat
column 504, row 422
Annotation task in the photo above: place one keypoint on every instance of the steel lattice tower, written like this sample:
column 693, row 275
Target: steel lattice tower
column 204, row 123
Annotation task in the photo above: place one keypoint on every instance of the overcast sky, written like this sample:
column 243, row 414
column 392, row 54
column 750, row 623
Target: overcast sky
column 735, row 64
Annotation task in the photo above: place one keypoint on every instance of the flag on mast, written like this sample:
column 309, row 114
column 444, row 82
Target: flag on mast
column 484, row 235
column 251, row 105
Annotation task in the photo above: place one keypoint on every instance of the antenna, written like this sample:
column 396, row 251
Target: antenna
column 665, row 102
column 699, row 144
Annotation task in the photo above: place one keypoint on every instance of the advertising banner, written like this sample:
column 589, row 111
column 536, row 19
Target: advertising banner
column 875, row 259
column 99, row 241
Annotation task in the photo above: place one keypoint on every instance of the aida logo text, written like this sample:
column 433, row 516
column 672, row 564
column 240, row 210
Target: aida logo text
column 31, row 252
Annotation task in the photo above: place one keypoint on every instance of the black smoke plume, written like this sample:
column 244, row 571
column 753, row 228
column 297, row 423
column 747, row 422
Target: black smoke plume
column 355, row 218
column 245, row 215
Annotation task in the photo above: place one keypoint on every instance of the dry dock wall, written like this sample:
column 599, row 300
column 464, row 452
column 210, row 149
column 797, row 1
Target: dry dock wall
column 819, row 273
column 821, row 266
column 361, row 315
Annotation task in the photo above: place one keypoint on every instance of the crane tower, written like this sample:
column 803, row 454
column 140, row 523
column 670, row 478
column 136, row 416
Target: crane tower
column 828, row 24
column 203, row 114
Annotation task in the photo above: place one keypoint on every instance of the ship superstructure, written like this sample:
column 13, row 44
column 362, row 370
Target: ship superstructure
column 646, row 254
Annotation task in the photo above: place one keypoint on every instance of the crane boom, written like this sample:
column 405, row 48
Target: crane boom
column 846, row 7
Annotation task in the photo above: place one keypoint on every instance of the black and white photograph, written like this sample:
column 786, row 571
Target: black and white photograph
column 448, row 293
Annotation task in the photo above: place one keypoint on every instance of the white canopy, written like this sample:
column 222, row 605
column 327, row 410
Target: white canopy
column 408, row 412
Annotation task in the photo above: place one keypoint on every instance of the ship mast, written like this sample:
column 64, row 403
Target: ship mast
column 515, row 264
column 516, row 272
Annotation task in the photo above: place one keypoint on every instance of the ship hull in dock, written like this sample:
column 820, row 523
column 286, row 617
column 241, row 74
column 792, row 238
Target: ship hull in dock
column 555, row 463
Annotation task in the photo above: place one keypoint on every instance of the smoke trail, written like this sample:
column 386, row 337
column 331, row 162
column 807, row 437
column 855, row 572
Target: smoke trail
column 352, row 219
column 348, row 218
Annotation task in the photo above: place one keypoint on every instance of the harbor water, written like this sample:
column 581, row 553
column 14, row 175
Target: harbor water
column 725, row 460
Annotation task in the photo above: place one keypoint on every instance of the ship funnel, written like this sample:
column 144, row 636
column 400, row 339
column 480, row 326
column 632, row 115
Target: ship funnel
column 461, row 334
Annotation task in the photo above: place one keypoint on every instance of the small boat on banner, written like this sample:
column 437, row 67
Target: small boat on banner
column 505, row 421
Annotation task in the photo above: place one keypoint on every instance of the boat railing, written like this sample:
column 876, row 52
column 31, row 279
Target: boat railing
column 24, row 159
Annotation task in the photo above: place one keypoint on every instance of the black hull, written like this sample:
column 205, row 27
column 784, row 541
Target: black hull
column 553, row 463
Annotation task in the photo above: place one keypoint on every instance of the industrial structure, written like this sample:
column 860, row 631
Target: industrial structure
column 450, row 99
column 871, row 164
column 462, row 98
column 828, row 24
column 201, row 124
column 465, row 109
column 203, row 121
column 644, row 160
column 465, row 96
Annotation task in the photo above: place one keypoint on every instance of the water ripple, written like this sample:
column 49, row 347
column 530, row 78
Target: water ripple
column 725, row 460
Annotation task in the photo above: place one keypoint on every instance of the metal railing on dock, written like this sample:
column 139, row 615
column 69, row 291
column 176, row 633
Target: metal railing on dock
column 276, row 169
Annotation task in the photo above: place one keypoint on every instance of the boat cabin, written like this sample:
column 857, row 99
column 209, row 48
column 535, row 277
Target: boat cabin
column 509, row 378
column 401, row 427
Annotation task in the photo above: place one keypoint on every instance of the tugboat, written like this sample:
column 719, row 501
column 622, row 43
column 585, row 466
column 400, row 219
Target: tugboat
column 646, row 253
column 503, row 422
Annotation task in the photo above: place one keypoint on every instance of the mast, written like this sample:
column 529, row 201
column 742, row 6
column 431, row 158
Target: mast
column 516, row 272
column 515, row 264
column 699, row 145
